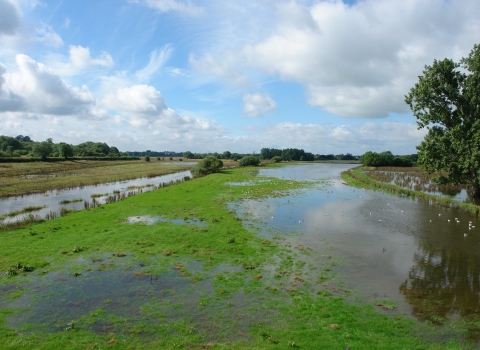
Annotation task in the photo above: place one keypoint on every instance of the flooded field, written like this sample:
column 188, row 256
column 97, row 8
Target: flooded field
column 424, row 258
column 398, row 254
column 414, row 179
column 74, row 198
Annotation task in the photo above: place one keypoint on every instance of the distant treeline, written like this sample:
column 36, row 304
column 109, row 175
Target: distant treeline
column 387, row 159
column 24, row 146
column 299, row 154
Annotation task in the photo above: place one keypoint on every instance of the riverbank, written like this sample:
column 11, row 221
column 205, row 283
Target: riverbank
column 358, row 178
column 177, row 268
column 17, row 179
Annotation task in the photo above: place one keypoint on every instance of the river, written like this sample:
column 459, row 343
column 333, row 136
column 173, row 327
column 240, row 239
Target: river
column 424, row 259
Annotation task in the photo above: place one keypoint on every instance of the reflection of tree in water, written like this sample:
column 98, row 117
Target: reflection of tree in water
column 443, row 282
column 450, row 191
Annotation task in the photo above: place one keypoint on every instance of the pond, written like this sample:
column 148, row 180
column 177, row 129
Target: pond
column 424, row 258
column 73, row 198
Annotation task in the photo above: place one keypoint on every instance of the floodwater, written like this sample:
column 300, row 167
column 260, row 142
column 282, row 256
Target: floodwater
column 51, row 199
column 423, row 257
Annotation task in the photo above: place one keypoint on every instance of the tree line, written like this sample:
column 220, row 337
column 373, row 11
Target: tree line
column 387, row 159
column 25, row 146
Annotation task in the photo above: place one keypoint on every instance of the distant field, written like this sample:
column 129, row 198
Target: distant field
column 27, row 178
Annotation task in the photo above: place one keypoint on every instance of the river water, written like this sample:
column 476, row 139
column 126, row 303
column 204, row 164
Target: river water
column 424, row 258
column 421, row 258
column 51, row 200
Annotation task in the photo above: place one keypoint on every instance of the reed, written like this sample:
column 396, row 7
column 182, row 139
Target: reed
column 360, row 177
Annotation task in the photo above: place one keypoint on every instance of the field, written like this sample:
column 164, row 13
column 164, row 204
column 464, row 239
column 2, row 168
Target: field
column 196, row 278
column 26, row 178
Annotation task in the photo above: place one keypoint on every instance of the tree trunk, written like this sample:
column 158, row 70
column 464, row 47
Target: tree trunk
column 475, row 184
column 475, row 190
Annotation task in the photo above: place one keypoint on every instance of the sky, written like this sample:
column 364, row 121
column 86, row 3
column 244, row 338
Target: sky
column 326, row 76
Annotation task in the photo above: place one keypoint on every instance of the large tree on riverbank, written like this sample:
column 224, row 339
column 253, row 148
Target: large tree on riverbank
column 446, row 101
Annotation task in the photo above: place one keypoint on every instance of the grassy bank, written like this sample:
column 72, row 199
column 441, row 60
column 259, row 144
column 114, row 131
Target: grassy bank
column 26, row 178
column 195, row 279
column 358, row 178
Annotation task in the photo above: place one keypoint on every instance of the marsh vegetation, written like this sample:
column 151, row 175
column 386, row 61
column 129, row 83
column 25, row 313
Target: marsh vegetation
column 230, row 259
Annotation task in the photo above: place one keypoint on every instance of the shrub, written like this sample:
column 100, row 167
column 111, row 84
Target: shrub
column 147, row 158
column 276, row 159
column 208, row 165
column 249, row 160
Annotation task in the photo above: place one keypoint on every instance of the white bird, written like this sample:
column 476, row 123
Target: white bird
column 448, row 220
column 465, row 235
column 439, row 214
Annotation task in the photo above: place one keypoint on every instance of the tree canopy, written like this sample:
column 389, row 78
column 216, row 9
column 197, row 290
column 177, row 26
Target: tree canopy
column 209, row 164
column 446, row 101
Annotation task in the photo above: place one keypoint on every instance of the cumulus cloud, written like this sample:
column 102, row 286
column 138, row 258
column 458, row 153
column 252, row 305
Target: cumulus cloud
column 10, row 18
column 80, row 57
column 354, row 60
column 143, row 106
column 33, row 88
column 256, row 104
column 184, row 7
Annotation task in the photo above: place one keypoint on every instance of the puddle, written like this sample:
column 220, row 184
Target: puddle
column 121, row 299
column 151, row 220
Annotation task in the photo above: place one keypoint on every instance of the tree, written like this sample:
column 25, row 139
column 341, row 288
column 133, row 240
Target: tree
column 187, row 155
column 249, row 160
column 65, row 150
column 446, row 101
column 42, row 149
column 226, row 155
column 209, row 164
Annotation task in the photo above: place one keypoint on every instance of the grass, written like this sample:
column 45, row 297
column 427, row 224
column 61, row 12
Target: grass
column 250, row 293
column 359, row 177
column 28, row 209
column 18, row 179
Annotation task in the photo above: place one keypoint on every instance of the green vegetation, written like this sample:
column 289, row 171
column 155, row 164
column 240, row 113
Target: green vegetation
column 276, row 159
column 386, row 159
column 358, row 177
column 446, row 101
column 207, row 165
column 248, row 293
column 28, row 209
column 26, row 178
column 249, row 161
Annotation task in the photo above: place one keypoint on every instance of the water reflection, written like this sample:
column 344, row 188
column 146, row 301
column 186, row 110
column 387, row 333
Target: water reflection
column 422, row 256
column 75, row 197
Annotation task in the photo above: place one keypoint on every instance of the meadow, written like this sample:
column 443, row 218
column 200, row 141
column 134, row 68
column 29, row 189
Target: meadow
column 178, row 268
column 18, row 179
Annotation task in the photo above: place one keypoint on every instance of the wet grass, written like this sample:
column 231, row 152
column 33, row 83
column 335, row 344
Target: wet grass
column 25, row 210
column 249, row 292
column 18, row 179
column 360, row 177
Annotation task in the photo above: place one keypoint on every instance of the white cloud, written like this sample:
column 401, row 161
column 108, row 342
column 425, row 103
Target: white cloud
column 80, row 57
column 184, row 7
column 255, row 104
column 47, row 36
column 35, row 89
column 10, row 18
column 355, row 60
column 157, row 59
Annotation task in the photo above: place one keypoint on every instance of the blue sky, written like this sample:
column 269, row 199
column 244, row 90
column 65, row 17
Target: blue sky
column 325, row 76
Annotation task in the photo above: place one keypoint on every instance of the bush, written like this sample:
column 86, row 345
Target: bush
column 276, row 159
column 249, row 160
column 208, row 165
column 147, row 158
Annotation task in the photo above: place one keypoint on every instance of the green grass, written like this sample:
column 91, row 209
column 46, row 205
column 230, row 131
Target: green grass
column 251, row 293
column 358, row 178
